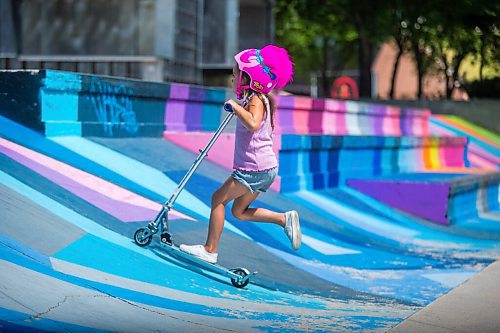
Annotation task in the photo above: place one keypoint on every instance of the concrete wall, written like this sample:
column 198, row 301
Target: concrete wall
column 320, row 142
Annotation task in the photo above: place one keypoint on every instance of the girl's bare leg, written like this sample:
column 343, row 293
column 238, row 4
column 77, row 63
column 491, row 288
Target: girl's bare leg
column 241, row 211
column 230, row 190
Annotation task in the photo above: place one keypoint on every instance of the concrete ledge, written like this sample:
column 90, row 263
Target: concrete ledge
column 472, row 307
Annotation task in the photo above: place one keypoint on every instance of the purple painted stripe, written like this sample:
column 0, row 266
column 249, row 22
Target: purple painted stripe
column 412, row 197
column 118, row 209
column 175, row 115
column 179, row 91
column 193, row 117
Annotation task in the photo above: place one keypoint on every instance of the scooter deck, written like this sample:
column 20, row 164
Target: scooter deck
column 176, row 252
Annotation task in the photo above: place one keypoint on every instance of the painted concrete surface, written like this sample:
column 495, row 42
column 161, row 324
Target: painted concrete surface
column 111, row 276
column 34, row 225
column 362, row 266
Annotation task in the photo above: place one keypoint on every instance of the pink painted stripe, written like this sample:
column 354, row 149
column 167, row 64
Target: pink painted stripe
column 116, row 201
column 479, row 162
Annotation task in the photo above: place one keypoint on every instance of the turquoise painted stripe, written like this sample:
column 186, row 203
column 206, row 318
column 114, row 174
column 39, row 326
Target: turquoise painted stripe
column 60, row 128
column 65, row 81
column 97, row 253
column 142, row 174
column 15, row 247
column 108, row 289
column 408, row 233
column 58, row 105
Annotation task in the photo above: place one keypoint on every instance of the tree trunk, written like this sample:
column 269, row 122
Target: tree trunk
column 483, row 53
column 454, row 76
column 420, row 68
column 365, row 66
column 395, row 68
column 324, row 68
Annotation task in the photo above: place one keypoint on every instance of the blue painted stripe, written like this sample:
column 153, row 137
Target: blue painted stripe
column 13, row 321
column 13, row 246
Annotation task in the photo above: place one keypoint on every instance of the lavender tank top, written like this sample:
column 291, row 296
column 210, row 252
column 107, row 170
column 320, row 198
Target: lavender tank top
column 253, row 151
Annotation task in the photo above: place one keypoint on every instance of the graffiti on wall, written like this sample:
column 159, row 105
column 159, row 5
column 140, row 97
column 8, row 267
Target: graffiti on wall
column 113, row 107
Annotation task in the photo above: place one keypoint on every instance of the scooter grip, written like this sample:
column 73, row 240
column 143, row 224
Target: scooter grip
column 228, row 107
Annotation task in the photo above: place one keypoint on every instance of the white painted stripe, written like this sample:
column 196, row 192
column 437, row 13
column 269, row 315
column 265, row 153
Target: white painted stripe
column 326, row 248
column 352, row 216
column 450, row 280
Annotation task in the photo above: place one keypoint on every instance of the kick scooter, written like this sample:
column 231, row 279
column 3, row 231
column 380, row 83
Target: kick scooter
column 143, row 236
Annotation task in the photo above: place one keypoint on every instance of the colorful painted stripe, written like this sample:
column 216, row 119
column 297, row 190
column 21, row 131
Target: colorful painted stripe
column 117, row 201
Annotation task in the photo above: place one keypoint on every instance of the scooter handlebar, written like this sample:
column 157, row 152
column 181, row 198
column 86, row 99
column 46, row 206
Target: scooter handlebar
column 228, row 107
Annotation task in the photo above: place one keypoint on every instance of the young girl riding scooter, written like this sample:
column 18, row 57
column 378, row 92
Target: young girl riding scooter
column 255, row 74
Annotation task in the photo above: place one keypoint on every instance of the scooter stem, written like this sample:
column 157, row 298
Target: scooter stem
column 197, row 162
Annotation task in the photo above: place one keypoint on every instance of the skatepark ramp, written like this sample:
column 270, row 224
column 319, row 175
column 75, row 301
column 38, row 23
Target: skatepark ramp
column 86, row 160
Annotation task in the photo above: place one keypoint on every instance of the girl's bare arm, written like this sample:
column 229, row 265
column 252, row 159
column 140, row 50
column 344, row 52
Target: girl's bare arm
column 251, row 117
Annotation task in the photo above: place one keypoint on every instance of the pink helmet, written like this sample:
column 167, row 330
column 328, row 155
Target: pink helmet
column 268, row 68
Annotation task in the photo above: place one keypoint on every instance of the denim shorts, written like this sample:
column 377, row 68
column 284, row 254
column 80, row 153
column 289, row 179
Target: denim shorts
column 255, row 180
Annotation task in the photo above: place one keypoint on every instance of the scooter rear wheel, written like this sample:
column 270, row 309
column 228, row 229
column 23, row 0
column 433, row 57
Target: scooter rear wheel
column 139, row 238
column 241, row 282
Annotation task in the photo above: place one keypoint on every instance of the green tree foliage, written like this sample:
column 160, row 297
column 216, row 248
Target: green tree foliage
column 439, row 35
column 356, row 26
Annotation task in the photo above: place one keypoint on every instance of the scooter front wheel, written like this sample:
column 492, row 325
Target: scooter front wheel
column 143, row 237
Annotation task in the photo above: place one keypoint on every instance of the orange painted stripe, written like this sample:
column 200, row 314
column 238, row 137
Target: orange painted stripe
column 467, row 130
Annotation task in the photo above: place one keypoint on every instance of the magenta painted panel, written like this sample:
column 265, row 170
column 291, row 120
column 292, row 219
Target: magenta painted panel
column 300, row 121
column 454, row 156
column 315, row 119
column 394, row 116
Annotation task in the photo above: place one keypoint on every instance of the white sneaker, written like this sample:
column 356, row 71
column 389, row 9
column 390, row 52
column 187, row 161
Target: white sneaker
column 199, row 252
column 292, row 228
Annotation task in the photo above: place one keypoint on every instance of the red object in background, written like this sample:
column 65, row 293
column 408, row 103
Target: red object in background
column 344, row 87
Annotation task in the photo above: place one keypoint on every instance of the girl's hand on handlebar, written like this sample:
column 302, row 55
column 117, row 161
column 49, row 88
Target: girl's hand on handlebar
column 230, row 105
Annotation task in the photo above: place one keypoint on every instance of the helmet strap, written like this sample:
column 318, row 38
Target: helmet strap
column 241, row 89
